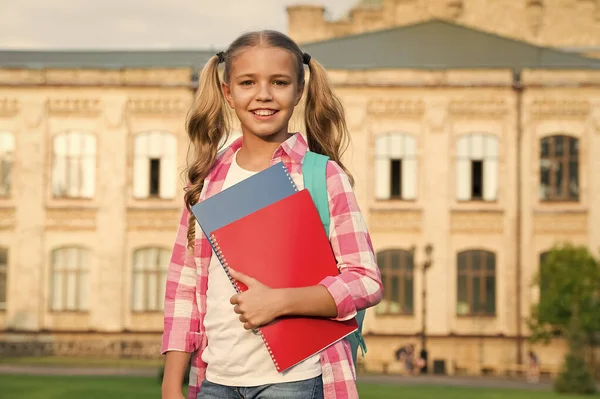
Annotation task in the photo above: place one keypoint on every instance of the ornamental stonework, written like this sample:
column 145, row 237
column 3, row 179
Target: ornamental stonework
column 400, row 107
column 9, row 107
column 74, row 106
column 560, row 223
column 489, row 108
column 156, row 106
column 152, row 219
column 396, row 221
column 68, row 219
column 542, row 108
column 7, row 218
column 477, row 222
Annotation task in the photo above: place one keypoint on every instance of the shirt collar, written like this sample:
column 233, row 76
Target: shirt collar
column 295, row 147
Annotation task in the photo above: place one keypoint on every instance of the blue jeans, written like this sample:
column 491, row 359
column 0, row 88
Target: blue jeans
column 306, row 389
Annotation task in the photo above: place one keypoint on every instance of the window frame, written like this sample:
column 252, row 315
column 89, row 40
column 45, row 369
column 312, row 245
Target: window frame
column 404, row 272
column 564, row 162
column 144, row 150
column 160, row 271
column 84, row 175
column 490, row 161
column 81, row 270
column 408, row 161
column 471, row 273
column 7, row 149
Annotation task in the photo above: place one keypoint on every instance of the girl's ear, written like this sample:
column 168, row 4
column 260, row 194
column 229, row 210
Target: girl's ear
column 227, row 93
column 299, row 92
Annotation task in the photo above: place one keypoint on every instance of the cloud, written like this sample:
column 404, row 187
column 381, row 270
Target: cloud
column 113, row 24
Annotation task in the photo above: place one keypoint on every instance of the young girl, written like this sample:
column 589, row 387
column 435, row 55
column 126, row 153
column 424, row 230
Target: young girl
column 263, row 81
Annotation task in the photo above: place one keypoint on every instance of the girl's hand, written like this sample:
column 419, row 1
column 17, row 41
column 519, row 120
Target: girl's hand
column 258, row 305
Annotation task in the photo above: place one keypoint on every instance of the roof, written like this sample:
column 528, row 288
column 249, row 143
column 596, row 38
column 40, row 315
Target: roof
column 438, row 44
column 75, row 59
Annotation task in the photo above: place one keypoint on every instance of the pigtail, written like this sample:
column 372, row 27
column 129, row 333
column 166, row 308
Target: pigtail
column 326, row 129
column 206, row 125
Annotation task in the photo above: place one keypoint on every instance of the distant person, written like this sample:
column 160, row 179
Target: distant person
column 263, row 81
column 533, row 372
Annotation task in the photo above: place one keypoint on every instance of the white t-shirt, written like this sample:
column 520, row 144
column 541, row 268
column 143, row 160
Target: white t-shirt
column 236, row 356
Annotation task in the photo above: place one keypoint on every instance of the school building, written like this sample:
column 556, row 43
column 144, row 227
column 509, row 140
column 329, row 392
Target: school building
column 473, row 127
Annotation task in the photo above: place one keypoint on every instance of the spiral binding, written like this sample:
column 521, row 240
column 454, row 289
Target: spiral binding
column 221, row 257
column 287, row 172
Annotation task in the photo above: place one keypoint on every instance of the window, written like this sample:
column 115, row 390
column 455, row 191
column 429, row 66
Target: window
column 559, row 168
column 477, row 167
column 3, row 277
column 74, row 165
column 395, row 167
column 69, row 279
column 149, row 278
column 397, row 273
column 7, row 147
column 476, row 288
column 154, row 165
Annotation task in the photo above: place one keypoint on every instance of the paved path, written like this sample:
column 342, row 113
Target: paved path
column 483, row 382
column 473, row 382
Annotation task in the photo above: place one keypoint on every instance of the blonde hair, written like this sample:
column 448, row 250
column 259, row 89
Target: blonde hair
column 209, row 119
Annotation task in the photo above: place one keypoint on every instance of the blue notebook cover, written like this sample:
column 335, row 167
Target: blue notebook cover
column 262, row 189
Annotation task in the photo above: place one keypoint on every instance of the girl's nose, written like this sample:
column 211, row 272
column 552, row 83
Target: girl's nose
column 264, row 92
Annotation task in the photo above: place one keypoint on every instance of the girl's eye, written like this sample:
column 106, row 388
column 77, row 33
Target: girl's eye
column 280, row 83
column 246, row 82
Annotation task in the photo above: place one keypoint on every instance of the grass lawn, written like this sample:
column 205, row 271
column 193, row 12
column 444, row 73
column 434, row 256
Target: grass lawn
column 63, row 361
column 47, row 387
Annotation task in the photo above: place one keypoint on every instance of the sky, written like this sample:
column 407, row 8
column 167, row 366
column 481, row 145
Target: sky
column 142, row 24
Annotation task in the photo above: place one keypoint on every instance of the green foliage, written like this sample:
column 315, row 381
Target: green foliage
column 569, row 275
column 575, row 376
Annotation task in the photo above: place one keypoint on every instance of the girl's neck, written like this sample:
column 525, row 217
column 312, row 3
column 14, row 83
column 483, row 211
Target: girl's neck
column 256, row 152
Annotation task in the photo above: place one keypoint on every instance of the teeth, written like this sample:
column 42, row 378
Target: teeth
column 264, row 112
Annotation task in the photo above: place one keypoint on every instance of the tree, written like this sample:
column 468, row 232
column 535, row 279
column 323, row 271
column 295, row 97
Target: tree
column 574, row 376
column 569, row 281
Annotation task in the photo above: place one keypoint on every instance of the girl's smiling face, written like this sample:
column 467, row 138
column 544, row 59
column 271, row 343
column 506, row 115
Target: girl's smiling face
column 263, row 89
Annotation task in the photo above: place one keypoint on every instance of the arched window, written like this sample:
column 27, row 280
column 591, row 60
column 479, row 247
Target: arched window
column 477, row 167
column 397, row 273
column 74, row 165
column 69, row 288
column 395, row 166
column 476, row 285
column 7, row 148
column 3, row 276
column 150, row 267
column 559, row 168
column 155, row 165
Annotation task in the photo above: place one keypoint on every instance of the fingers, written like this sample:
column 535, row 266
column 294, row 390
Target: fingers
column 241, row 277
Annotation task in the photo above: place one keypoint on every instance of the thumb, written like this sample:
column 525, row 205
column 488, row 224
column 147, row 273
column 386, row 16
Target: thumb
column 241, row 277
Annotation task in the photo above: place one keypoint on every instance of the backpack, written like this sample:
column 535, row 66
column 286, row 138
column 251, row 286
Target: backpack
column 314, row 172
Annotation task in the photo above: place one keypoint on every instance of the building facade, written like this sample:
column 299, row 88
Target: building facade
column 487, row 157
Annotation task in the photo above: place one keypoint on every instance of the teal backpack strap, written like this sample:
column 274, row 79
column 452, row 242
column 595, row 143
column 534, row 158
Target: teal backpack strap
column 314, row 172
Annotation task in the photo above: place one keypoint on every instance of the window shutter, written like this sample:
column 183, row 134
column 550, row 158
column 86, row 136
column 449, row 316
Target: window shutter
column 141, row 167
column 409, row 178
column 382, row 178
column 463, row 179
column 168, row 167
column 490, row 179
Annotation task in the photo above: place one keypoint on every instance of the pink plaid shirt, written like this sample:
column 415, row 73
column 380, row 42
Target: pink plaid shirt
column 357, row 287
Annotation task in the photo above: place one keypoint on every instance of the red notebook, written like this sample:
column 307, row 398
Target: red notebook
column 284, row 245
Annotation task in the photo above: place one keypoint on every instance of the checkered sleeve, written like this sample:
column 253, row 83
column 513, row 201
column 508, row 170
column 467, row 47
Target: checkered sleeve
column 181, row 315
column 358, row 286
